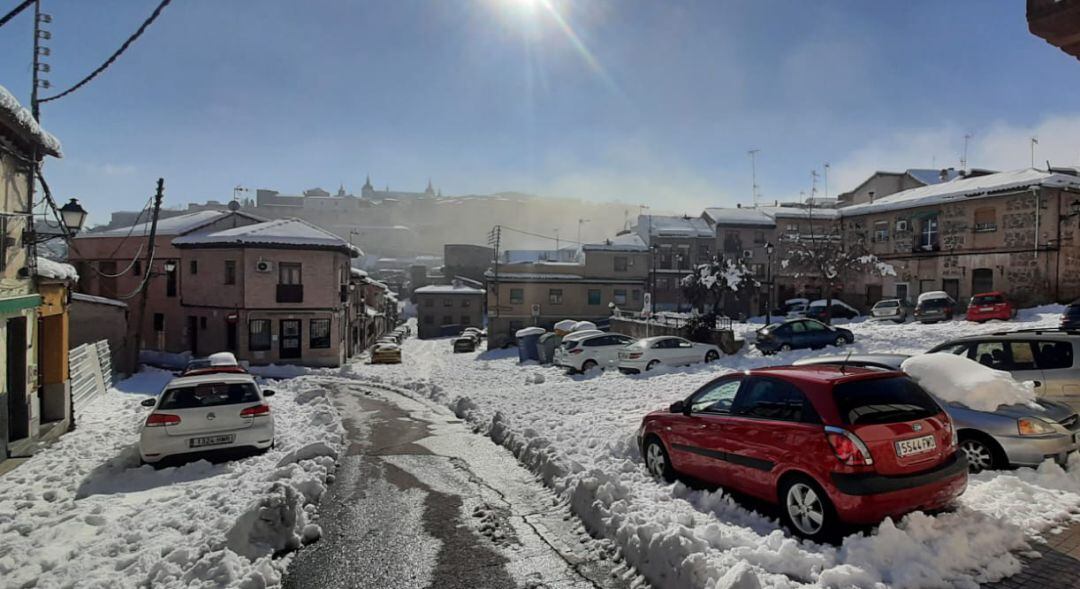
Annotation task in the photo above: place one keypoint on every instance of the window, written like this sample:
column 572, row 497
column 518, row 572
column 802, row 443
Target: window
column 815, row 325
column 620, row 296
column 902, row 291
column 663, row 284
column 1023, row 356
column 429, row 302
column 289, row 273
column 208, row 395
column 732, row 243
column 159, row 322
column 715, row 397
column 258, row 335
column 466, row 320
column 992, row 354
column 766, row 398
column 636, row 293
column 447, row 303
column 429, row 320
column 985, row 220
column 193, row 267
column 447, row 320
column 594, row 296
column 888, row 400
column 758, row 269
column 666, row 258
column 136, row 267
column 555, row 296
column 703, row 252
column 881, row 231
column 319, row 333
column 759, row 238
column 465, row 303
column 230, row 271
column 517, row 296
column 620, row 263
column 928, row 237
column 1053, row 355
column 170, row 282
column 202, row 322
column 791, row 231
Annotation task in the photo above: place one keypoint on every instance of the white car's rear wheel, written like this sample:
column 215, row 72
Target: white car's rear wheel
column 652, row 365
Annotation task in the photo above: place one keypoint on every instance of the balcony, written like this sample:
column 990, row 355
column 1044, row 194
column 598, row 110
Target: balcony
column 290, row 293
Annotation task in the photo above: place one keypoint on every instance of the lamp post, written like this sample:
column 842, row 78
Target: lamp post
column 653, row 250
column 769, row 249
column 678, row 264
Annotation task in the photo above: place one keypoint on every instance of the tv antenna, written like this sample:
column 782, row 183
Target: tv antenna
column 753, row 174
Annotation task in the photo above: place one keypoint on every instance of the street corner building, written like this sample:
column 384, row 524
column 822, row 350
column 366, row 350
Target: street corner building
column 280, row 291
column 35, row 393
column 446, row 309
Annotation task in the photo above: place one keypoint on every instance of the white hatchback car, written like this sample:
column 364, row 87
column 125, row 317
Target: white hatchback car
column 646, row 354
column 582, row 351
column 205, row 413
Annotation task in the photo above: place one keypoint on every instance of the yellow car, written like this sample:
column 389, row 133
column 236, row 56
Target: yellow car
column 385, row 353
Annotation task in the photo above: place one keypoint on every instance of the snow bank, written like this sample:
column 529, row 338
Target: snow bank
column 83, row 513
column 956, row 379
column 56, row 270
column 577, row 434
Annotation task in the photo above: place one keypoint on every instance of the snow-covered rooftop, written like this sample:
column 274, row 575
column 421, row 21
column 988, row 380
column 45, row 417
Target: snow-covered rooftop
column 54, row 270
column 931, row 176
column 629, row 242
column 178, row 225
column 671, row 226
column 448, row 289
column 24, row 122
column 280, row 232
column 978, row 186
column 739, row 216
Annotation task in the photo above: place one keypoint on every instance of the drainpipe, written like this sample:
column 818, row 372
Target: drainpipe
column 1035, row 193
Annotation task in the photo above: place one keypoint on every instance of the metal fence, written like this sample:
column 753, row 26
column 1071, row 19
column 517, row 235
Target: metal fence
column 90, row 366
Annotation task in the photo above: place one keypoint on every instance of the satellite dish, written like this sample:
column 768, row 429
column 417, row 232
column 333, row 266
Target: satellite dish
column 234, row 205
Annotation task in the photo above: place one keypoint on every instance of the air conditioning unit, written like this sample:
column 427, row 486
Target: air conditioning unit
column 264, row 266
column 902, row 225
column 748, row 253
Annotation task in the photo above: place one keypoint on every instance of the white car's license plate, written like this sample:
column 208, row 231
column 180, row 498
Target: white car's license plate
column 915, row 446
column 211, row 441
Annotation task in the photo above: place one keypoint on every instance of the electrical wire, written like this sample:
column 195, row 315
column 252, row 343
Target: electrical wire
column 114, row 56
column 555, row 239
column 15, row 12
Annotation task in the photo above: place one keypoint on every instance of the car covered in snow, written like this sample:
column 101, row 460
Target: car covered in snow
column 934, row 306
column 205, row 413
column 819, row 310
column 463, row 343
column 582, row 351
column 1017, row 434
column 795, row 334
column 221, row 362
column 648, row 353
column 386, row 353
column 793, row 307
column 895, row 310
column 831, row 446
column 990, row 305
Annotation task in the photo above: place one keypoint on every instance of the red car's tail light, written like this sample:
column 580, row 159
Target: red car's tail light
column 255, row 410
column 849, row 449
column 162, row 419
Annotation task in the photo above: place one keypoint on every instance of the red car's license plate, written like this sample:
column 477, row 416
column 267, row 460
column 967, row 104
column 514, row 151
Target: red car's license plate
column 211, row 441
column 915, row 446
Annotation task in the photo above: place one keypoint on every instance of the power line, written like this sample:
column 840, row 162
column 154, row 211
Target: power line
column 555, row 239
column 114, row 56
column 15, row 12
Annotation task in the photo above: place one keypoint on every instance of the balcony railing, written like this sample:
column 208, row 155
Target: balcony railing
column 290, row 293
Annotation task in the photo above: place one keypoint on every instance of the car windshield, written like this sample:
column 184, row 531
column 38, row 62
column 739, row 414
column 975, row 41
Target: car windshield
column 211, row 394
column 886, row 400
column 987, row 300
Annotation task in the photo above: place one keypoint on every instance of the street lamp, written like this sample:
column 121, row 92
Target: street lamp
column 769, row 249
column 73, row 215
column 170, row 266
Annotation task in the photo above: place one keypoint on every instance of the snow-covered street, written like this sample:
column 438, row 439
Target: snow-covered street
column 578, row 433
column 83, row 513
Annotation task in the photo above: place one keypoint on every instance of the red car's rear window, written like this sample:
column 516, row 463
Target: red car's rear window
column 883, row 400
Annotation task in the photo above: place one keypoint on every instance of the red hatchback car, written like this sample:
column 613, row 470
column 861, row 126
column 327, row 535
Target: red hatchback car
column 990, row 305
column 831, row 445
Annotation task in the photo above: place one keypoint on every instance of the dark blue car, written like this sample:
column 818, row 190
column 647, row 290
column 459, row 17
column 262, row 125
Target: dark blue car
column 800, row 333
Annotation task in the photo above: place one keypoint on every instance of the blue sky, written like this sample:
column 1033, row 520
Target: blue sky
column 645, row 102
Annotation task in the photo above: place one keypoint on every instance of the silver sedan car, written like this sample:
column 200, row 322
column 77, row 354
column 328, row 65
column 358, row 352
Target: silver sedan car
column 1012, row 435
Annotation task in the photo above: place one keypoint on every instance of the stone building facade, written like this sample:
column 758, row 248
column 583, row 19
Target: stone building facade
column 676, row 246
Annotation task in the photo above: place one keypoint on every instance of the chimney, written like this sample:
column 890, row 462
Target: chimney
column 871, row 194
column 738, row 205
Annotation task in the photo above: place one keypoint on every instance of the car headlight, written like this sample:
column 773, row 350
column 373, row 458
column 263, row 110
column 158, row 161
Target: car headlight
column 1033, row 426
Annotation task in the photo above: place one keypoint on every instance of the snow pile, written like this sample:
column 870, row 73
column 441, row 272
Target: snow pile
column 84, row 513
column 56, row 270
column 956, row 379
column 577, row 433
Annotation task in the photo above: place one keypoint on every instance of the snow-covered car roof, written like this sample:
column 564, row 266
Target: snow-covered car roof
column 934, row 294
column 226, row 377
column 385, row 346
column 823, row 302
column 222, row 359
column 580, row 335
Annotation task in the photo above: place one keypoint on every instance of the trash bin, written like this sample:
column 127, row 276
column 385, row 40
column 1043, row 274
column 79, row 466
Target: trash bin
column 583, row 325
column 546, row 347
column 565, row 326
column 527, row 340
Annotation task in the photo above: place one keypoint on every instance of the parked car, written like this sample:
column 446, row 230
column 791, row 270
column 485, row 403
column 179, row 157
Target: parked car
column 793, row 307
column 840, row 310
column 934, row 306
column 896, row 310
column 990, row 305
column 800, row 333
column 206, row 413
column 648, row 353
column 830, row 446
column 1046, row 357
column 386, row 353
column 1012, row 435
column 464, row 343
column 1070, row 318
column 221, row 362
column 582, row 351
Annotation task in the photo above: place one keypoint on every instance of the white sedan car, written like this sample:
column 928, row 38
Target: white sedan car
column 207, row 413
column 648, row 353
column 582, row 351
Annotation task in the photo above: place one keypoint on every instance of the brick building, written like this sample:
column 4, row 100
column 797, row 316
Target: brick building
column 446, row 309
column 676, row 246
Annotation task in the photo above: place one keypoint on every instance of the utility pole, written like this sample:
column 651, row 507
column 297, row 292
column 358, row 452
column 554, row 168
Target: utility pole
column 826, row 179
column 39, row 67
column 753, row 174
column 148, row 269
column 813, row 184
column 1034, row 142
column 556, row 244
column 963, row 156
column 580, row 222
column 494, row 238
